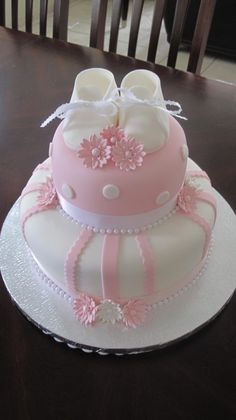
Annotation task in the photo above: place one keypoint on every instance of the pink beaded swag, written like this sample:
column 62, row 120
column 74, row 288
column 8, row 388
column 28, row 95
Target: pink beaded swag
column 87, row 311
column 112, row 145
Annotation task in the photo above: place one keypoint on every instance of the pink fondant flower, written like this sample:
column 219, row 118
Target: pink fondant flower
column 95, row 152
column 109, row 311
column 134, row 313
column 187, row 199
column 112, row 134
column 47, row 194
column 128, row 154
column 85, row 309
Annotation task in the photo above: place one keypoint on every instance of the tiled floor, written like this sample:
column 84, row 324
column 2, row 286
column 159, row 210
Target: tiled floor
column 79, row 30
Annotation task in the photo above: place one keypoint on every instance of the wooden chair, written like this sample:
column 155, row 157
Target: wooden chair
column 201, row 32
column 60, row 16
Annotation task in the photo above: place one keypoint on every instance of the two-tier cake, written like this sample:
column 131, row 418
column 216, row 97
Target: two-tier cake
column 118, row 217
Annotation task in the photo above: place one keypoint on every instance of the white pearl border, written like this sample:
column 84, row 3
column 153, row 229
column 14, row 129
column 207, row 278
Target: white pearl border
column 117, row 231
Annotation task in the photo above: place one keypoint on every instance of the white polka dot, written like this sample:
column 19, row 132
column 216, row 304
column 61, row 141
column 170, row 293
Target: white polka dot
column 111, row 191
column 163, row 197
column 50, row 150
column 67, row 191
column 184, row 151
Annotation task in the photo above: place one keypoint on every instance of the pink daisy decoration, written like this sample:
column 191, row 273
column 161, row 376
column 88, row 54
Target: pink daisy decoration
column 187, row 199
column 95, row 152
column 128, row 154
column 112, row 134
column 134, row 313
column 85, row 309
column 47, row 194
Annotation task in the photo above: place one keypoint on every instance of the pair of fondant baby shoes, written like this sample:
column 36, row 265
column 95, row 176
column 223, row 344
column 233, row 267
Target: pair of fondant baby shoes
column 132, row 107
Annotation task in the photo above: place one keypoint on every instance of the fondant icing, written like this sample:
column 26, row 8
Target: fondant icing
column 118, row 216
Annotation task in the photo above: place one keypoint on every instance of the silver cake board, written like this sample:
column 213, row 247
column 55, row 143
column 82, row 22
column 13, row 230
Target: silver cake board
column 177, row 319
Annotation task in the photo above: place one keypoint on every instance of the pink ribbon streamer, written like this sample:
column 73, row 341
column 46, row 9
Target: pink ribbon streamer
column 72, row 258
column 109, row 261
column 148, row 262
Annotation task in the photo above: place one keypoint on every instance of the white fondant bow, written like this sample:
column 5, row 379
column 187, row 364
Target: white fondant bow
column 108, row 106
column 104, row 108
column 128, row 99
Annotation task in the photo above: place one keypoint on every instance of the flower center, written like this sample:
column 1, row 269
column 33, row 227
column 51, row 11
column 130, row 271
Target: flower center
column 128, row 154
column 113, row 140
column 188, row 198
column 95, row 152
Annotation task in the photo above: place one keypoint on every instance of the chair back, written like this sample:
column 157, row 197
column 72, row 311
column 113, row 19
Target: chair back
column 60, row 16
column 201, row 31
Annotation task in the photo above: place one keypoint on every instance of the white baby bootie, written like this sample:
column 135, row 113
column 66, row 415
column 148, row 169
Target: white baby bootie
column 96, row 109
column 139, row 116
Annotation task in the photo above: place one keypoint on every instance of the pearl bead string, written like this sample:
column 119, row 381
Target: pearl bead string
column 116, row 231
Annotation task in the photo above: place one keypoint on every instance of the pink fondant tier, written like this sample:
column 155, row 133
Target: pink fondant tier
column 144, row 190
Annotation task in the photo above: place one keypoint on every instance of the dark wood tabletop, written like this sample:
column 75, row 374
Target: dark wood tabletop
column 42, row 379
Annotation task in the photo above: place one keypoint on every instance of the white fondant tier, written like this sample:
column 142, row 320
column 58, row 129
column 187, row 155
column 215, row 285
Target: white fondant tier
column 177, row 244
column 192, row 309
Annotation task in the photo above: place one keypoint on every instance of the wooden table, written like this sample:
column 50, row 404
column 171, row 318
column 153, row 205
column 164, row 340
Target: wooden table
column 41, row 379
